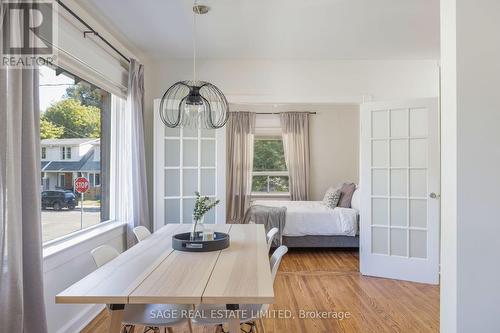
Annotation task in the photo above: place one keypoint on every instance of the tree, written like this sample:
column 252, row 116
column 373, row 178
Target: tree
column 50, row 131
column 269, row 156
column 85, row 93
column 76, row 120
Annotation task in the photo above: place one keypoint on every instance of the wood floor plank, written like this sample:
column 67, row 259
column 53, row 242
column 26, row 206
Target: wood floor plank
column 329, row 280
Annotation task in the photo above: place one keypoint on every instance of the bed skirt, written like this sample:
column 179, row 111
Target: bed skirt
column 321, row 241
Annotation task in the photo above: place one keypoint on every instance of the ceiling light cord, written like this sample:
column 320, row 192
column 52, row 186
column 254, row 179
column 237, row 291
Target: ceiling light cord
column 194, row 47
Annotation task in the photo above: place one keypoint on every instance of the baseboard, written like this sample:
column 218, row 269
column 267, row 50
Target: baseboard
column 81, row 321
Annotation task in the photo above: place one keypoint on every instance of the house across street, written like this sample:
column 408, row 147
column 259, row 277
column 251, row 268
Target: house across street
column 64, row 160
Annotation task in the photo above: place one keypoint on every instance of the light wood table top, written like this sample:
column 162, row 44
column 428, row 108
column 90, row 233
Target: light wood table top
column 152, row 272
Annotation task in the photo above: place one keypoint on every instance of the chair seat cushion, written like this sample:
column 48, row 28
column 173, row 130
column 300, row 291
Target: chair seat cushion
column 156, row 314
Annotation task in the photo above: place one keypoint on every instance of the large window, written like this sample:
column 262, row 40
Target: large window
column 73, row 130
column 270, row 174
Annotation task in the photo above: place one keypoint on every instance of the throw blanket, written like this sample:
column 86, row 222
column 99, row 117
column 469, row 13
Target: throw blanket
column 270, row 217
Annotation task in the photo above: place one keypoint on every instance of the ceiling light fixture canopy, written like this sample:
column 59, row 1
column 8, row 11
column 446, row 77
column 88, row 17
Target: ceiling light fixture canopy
column 194, row 104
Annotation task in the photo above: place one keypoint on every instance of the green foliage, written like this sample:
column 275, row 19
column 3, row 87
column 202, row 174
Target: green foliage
column 85, row 93
column 202, row 206
column 50, row 131
column 76, row 120
column 269, row 156
column 276, row 183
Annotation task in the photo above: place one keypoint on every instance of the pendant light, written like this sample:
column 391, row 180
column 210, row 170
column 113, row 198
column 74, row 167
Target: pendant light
column 194, row 104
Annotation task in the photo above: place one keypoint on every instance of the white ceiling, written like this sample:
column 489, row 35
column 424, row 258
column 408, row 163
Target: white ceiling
column 278, row 29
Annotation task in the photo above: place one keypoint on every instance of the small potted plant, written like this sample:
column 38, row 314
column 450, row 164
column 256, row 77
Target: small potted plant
column 201, row 207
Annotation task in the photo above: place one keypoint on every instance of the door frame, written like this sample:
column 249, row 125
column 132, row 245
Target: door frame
column 375, row 264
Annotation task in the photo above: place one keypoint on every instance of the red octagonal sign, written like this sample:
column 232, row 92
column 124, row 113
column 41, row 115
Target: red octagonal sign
column 82, row 185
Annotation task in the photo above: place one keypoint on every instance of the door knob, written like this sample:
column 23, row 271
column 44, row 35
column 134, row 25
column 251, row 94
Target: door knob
column 434, row 195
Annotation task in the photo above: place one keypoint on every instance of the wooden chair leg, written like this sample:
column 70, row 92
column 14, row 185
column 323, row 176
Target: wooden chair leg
column 261, row 322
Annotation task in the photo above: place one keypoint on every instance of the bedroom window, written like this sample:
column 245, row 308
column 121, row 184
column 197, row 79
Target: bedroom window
column 270, row 174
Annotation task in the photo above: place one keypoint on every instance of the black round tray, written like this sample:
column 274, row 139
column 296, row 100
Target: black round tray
column 182, row 242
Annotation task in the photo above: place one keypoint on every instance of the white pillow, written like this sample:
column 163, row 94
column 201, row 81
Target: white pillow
column 356, row 200
column 328, row 192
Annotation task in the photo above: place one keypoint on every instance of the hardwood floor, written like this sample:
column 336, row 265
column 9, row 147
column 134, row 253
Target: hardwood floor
column 329, row 281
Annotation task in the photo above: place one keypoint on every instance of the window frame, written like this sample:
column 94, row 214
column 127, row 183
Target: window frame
column 43, row 153
column 269, row 173
column 107, row 216
column 66, row 153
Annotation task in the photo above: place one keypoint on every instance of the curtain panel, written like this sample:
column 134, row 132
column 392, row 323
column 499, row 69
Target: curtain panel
column 240, row 139
column 131, row 184
column 295, row 131
column 22, row 307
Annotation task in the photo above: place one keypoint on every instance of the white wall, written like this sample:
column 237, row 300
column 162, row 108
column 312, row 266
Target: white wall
column 470, row 295
column 294, row 81
column 334, row 136
column 62, row 269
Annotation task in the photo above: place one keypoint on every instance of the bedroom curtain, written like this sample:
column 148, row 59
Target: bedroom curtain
column 240, row 138
column 295, row 129
column 132, row 204
column 22, row 307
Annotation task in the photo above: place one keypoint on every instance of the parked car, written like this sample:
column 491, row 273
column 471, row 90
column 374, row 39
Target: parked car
column 58, row 200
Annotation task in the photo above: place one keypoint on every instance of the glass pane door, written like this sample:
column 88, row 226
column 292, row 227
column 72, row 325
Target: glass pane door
column 399, row 182
column 190, row 166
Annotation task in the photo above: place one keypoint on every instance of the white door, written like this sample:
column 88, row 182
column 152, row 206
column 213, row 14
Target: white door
column 400, row 175
column 185, row 161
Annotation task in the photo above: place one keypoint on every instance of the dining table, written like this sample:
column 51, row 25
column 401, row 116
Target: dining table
column 152, row 272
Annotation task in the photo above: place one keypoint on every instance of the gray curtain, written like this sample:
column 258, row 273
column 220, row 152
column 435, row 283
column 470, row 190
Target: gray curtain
column 22, row 307
column 136, row 156
column 240, row 138
column 295, row 129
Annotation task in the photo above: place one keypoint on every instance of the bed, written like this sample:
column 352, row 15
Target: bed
column 313, row 224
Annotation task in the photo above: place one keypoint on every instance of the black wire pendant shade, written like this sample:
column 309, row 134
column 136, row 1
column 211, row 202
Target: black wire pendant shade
column 194, row 104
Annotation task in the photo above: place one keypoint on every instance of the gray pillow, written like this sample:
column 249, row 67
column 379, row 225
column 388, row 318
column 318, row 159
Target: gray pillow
column 347, row 191
column 332, row 198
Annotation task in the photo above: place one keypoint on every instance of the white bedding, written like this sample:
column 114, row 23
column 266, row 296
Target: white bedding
column 313, row 218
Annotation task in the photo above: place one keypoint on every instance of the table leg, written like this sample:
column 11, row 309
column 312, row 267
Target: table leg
column 116, row 317
column 234, row 322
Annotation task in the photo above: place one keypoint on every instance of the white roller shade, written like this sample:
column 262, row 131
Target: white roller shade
column 88, row 57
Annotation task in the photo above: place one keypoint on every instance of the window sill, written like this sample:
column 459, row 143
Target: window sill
column 67, row 242
column 263, row 195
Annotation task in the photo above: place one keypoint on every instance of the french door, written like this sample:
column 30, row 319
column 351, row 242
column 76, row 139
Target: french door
column 400, row 175
column 187, row 161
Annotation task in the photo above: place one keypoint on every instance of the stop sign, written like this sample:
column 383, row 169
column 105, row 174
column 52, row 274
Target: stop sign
column 82, row 185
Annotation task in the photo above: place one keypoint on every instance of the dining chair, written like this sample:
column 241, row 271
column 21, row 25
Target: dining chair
column 271, row 235
column 140, row 314
column 250, row 312
column 141, row 233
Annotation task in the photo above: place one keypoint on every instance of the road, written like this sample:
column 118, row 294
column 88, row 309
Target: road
column 59, row 223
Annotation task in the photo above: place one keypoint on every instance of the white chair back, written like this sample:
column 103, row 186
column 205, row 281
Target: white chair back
column 275, row 260
column 270, row 237
column 141, row 233
column 103, row 254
